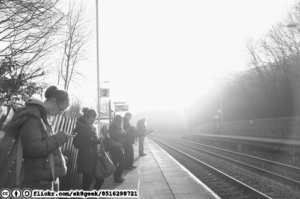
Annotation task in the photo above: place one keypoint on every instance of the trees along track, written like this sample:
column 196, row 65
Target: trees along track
column 290, row 170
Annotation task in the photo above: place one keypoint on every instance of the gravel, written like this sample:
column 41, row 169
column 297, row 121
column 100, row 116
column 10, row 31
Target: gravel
column 270, row 187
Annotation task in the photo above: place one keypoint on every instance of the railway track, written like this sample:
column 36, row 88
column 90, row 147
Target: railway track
column 224, row 184
column 274, row 170
column 283, row 157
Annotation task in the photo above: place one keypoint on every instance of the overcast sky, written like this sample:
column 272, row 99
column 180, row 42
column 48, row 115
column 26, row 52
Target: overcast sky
column 162, row 54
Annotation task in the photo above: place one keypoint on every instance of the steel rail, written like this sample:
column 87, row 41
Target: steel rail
column 265, row 173
column 238, row 183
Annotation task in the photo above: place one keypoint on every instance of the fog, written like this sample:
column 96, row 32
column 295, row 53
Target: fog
column 166, row 122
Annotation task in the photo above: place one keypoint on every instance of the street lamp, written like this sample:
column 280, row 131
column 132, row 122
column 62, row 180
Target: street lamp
column 220, row 102
column 98, row 69
column 220, row 98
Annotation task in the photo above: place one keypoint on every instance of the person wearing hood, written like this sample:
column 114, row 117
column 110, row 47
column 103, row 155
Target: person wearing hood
column 30, row 124
column 86, row 142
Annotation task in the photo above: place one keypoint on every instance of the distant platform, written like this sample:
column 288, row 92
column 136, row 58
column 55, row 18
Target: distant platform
column 282, row 141
column 158, row 175
column 282, row 144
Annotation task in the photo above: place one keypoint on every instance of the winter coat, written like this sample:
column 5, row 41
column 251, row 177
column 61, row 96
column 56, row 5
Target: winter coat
column 129, row 137
column 87, row 148
column 116, row 136
column 141, row 128
column 37, row 144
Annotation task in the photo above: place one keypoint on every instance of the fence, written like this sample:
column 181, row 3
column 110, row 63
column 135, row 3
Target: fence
column 275, row 127
column 8, row 148
column 72, row 180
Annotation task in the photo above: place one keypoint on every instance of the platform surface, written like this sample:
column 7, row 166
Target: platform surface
column 158, row 175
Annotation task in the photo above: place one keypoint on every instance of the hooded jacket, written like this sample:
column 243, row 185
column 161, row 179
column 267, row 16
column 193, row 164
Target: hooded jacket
column 87, row 148
column 37, row 144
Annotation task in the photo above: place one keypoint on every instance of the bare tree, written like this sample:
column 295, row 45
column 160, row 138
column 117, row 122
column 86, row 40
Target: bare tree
column 75, row 108
column 74, row 39
column 27, row 28
column 273, row 69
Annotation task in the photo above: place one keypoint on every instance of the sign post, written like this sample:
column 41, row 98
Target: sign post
column 121, row 106
column 104, row 92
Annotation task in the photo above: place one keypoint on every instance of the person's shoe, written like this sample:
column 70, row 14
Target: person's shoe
column 133, row 166
column 119, row 180
column 143, row 154
column 128, row 168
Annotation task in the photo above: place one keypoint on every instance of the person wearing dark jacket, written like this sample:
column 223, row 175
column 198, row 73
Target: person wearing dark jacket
column 116, row 135
column 31, row 126
column 86, row 141
column 129, row 140
column 142, row 129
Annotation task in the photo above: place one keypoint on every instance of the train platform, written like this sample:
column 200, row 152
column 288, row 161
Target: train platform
column 270, row 140
column 158, row 175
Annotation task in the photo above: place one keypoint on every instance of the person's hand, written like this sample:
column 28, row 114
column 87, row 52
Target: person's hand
column 74, row 133
column 70, row 135
column 96, row 139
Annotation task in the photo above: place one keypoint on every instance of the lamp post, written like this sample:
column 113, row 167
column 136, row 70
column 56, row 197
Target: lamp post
column 98, row 69
column 220, row 111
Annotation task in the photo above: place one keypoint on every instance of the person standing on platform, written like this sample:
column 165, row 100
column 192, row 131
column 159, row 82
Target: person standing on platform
column 86, row 142
column 116, row 135
column 129, row 140
column 142, row 129
column 41, row 146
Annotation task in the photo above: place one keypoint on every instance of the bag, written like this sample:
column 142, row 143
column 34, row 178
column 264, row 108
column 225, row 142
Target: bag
column 113, row 144
column 106, row 142
column 104, row 166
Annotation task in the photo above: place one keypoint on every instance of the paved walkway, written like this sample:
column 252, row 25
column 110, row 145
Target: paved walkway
column 159, row 176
